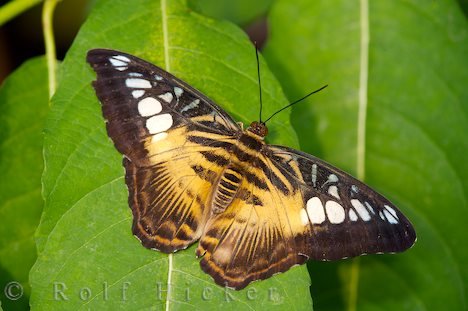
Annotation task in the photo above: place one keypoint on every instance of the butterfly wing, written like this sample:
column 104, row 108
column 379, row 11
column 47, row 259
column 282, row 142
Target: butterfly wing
column 156, row 121
column 302, row 208
column 342, row 216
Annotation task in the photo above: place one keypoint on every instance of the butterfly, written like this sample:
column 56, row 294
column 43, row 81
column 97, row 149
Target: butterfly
column 193, row 174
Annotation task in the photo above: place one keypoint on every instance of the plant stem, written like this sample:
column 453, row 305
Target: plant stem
column 14, row 8
column 353, row 284
column 49, row 41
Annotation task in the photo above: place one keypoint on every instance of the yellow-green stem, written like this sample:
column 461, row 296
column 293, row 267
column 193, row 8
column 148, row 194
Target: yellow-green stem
column 14, row 8
column 353, row 284
column 49, row 41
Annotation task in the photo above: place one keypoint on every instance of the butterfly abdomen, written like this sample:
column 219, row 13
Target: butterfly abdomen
column 226, row 190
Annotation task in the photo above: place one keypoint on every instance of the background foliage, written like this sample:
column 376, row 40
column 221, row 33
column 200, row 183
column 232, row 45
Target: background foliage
column 24, row 106
column 415, row 103
column 414, row 146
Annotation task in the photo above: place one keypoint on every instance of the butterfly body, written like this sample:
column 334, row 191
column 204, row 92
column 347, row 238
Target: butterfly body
column 256, row 209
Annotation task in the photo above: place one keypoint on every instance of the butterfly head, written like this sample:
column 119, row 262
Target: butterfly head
column 258, row 128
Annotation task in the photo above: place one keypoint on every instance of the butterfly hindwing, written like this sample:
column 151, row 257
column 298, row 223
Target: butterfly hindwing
column 168, row 201
column 255, row 237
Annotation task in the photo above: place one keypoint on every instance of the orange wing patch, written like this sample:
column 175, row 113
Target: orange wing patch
column 169, row 197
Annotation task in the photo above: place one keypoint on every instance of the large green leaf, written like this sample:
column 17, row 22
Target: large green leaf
column 407, row 130
column 24, row 105
column 87, row 253
column 240, row 12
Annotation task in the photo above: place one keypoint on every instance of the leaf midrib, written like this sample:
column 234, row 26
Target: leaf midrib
column 361, row 132
column 164, row 17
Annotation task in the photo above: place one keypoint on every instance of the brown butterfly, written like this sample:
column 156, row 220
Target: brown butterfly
column 195, row 174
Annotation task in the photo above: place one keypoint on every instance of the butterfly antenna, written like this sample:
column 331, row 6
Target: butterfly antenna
column 295, row 102
column 259, row 83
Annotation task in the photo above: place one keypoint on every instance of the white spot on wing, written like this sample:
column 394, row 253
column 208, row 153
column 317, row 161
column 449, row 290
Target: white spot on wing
column 391, row 210
column 382, row 215
column 117, row 63
column 371, row 209
column 122, row 58
column 314, row 174
column 149, row 106
column 361, row 210
column 135, row 74
column 332, row 178
column 192, row 105
column 138, row 93
column 167, row 97
column 335, row 212
column 137, row 83
column 390, row 217
column 354, row 189
column 158, row 137
column 333, row 190
column 315, row 210
column 159, row 123
column 304, row 217
column 352, row 215
column 157, row 77
column 178, row 92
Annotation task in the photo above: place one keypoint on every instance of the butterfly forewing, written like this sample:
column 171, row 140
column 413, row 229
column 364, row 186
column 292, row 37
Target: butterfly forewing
column 257, row 209
column 141, row 101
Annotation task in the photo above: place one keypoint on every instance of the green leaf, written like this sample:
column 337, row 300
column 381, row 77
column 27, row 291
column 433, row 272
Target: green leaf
column 24, row 105
column 88, row 257
column 240, row 12
column 413, row 79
